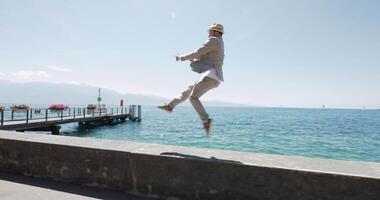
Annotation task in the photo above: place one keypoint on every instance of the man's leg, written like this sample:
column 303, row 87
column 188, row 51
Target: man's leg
column 199, row 89
column 183, row 97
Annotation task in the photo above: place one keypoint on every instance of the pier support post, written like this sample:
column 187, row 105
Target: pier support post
column 132, row 112
column 27, row 116
column 2, row 118
column 55, row 130
column 139, row 113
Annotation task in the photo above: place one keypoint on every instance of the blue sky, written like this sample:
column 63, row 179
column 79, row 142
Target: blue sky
column 278, row 53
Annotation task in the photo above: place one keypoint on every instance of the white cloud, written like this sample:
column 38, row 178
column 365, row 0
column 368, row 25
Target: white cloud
column 60, row 69
column 29, row 73
column 173, row 15
column 2, row 74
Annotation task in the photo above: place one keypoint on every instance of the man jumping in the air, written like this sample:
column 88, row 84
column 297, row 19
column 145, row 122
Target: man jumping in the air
column 207, row 60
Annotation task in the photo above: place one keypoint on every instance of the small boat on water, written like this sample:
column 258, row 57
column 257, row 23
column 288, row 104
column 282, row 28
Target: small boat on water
column 58, row 107
column 19, row 107
column 91, row 106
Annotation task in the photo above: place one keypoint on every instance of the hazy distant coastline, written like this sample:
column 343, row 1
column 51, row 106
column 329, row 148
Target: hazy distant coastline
column 47, row 93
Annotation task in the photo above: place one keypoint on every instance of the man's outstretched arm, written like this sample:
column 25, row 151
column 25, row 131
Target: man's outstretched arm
column 210, row 45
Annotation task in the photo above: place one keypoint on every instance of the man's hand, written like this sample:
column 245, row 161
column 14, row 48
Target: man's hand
column 179, row 58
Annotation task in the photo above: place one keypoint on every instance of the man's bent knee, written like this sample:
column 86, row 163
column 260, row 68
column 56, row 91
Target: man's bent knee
column 194, row 98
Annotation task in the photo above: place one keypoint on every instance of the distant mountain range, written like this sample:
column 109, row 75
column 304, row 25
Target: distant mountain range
column 73, row 94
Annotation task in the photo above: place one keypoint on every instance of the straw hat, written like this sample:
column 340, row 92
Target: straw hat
column 217, row 27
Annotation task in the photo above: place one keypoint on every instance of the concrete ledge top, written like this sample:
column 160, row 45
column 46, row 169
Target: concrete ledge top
column 350, row 168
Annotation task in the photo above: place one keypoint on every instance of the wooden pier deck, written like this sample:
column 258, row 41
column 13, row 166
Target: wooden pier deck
column 47, row 120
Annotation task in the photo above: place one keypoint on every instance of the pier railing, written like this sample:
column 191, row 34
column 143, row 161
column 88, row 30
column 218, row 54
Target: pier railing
column 46, row 114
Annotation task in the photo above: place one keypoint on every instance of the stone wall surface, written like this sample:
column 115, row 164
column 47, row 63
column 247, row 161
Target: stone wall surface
column 168, row 172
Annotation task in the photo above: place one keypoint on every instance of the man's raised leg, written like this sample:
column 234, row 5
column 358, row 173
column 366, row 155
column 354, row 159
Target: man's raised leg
column 183, row 97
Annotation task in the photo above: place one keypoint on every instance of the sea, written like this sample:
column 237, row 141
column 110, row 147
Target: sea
column 342, row 134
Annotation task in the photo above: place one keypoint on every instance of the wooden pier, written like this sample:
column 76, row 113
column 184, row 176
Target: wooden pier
column 49, row 120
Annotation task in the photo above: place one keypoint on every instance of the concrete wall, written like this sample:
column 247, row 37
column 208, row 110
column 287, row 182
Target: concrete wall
column 168, row 172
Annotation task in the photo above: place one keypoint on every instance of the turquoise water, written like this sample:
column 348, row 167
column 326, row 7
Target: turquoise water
column 329, row 133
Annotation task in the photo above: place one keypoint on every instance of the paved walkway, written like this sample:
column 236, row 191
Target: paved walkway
column 17, row 187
